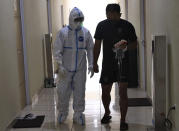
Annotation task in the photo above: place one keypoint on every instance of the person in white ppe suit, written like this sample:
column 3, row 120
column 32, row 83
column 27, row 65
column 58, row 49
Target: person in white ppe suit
column 72, row 46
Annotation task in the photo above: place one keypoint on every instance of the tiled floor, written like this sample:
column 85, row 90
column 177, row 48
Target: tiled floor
column 139, row 118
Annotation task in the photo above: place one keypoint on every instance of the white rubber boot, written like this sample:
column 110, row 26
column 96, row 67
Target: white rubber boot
column 79, row 118
column 61, row 118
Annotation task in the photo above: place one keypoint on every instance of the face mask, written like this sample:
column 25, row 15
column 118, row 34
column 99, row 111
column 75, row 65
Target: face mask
column 77, row 25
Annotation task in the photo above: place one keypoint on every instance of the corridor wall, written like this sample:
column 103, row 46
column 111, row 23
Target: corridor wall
column 56, row 17
column 12, row 94
column 12, row 90
column 162, row 17
column 36, row 25
column 135, row 68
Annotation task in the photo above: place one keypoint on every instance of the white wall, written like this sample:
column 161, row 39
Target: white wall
column 56, row 16
column 134, row 16
column 35, row 27
column 66, row 4
column 123, row 8
column 12, row 94
column 162, row 17
column 56, row 21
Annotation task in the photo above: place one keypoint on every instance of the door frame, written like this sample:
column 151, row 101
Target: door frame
column 26, row 72
column 142, row 36
column 49, row 16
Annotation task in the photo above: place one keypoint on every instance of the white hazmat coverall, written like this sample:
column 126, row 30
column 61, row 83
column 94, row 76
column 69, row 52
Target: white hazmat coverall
column 73, row 43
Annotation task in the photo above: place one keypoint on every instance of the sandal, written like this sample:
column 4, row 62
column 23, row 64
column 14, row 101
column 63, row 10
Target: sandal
column 123, row 126
column 106, row 119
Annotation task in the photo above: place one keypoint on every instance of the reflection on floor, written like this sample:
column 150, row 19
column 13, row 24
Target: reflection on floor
column 139, row 118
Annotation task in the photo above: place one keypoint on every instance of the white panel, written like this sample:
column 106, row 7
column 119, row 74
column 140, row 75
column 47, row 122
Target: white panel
column 159, row 80
column 48, row 56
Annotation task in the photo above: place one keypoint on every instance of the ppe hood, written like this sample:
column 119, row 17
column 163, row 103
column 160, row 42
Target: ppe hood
column 74, row 14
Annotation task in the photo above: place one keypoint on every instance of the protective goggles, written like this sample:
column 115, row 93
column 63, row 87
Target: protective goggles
column 79, row 19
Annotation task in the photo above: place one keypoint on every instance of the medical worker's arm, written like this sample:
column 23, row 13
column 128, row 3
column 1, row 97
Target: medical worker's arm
column 90, row 45
column 58, row 48
column 58, row 52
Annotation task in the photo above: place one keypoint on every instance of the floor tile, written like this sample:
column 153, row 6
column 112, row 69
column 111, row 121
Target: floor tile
column 139, row 118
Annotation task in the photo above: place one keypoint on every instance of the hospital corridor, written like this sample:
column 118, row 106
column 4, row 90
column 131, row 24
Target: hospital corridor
column 139, row 118
column 60, row 58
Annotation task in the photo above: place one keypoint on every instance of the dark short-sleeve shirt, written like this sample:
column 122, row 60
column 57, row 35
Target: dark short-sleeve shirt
column 111, row 32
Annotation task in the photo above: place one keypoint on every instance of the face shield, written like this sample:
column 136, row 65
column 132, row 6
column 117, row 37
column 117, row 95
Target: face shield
column 78, row 22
